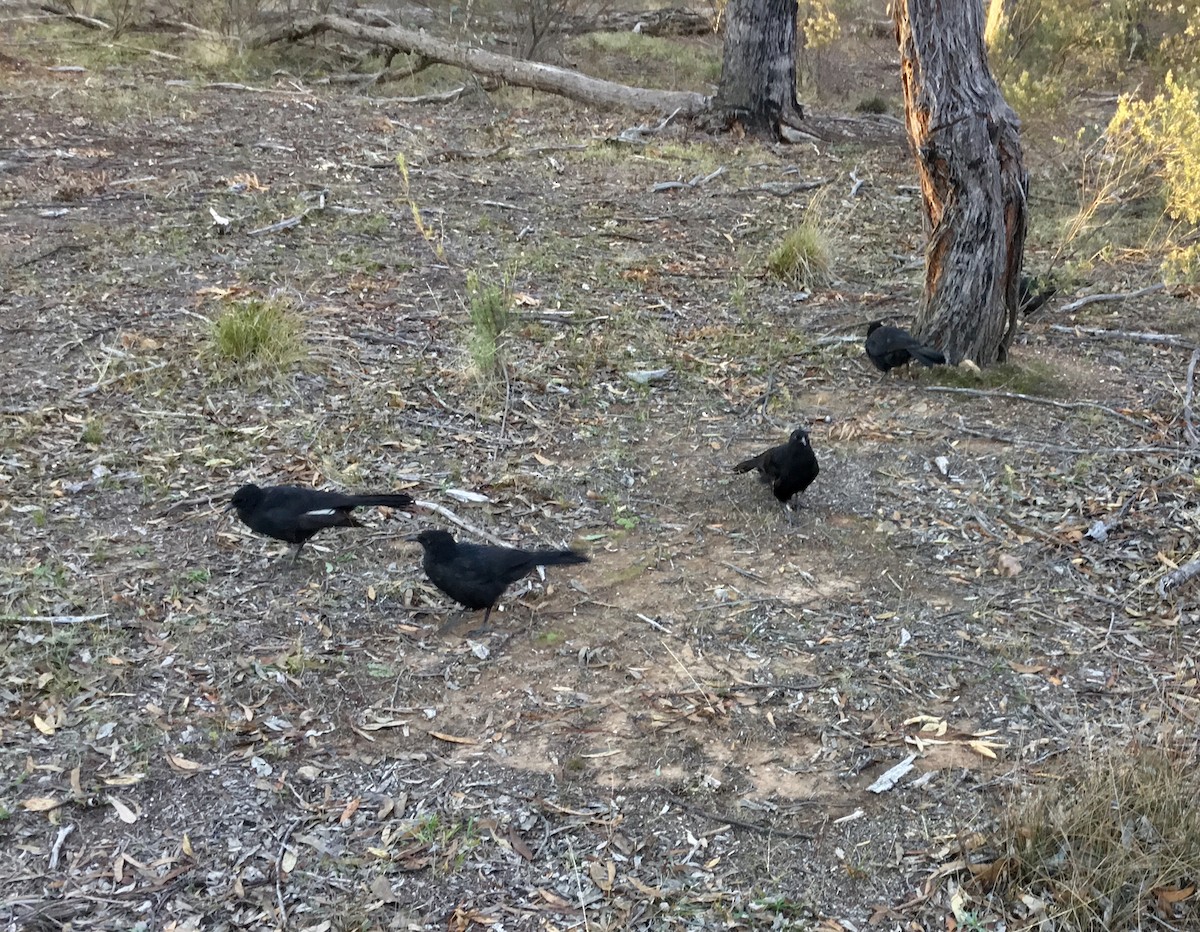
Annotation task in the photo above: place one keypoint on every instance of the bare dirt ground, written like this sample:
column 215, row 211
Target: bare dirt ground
column 680, row 734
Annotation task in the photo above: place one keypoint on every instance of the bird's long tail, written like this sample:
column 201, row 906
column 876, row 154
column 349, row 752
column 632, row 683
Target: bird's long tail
column 755, row 462
column 927, row 355
column 557, row 558
column 395, row 500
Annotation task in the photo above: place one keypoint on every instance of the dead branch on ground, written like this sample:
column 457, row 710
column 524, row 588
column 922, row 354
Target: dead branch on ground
column 536, row 75
column 1097, row 298
column 1099, row 333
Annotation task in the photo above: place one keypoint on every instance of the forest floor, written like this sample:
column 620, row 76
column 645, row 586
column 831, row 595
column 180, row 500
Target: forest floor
column 680, row 734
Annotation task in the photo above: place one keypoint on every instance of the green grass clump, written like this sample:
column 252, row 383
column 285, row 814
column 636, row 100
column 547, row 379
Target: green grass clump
column 1113, row 843
column 260, row 330
column 873, row 104
column 489, row 307
column 803, row 258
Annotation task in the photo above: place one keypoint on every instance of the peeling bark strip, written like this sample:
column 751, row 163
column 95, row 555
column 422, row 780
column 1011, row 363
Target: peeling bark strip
column 536, row 75
column 973, row 181
column 758, row 68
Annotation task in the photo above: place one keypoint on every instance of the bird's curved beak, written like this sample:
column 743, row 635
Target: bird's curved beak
column 413, row 538
column 228, row 508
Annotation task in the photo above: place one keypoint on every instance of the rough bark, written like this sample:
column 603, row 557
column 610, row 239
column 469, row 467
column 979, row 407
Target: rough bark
column 974, row 185
column 536, row 75
column 758, row 70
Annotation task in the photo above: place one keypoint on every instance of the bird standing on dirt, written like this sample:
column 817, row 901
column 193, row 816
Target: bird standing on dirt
column 890, row 347
column 294, row 514
column 476, row 575
column 790, row 467
column 1034, row 292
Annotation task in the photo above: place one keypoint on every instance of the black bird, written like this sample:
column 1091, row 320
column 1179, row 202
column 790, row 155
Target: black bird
column 1034, row 292
column 293, row 514
column 790, row 467
column 890, row 347
column 476, row 575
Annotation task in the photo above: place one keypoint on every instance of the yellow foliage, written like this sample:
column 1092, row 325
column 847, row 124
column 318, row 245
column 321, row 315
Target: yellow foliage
column 1163, row 135
column 820, row 25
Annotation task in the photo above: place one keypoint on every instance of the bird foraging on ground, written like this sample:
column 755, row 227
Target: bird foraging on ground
column 1034, row 292
column 476, row 575
column 889, row 347
column 293, row 514
column 789, row 468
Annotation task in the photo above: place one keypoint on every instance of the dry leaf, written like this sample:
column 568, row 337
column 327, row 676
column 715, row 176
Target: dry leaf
column 453, row 739
column 983, row 748
column 649, row 891
column 182, row 764
column 42, row 725
column 351, row 808
column 519, row 845
column 124, row 813
column 1008, row 565
column 381, row 889
column 41, row 803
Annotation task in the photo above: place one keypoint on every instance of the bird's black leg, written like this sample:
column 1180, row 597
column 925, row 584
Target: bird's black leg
column 296, row 552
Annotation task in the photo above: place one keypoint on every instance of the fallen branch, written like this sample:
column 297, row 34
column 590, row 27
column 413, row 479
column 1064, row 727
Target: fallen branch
column 448, row 97
column 74, row 17
column 465, row 525
column 694, row 183
column 536, row 75
column 289, row 222
column 1097, row 298
column 1035, row 399
column 1099, row 333
column 1177, row 577
column 1189, row 420
column 1063, row 448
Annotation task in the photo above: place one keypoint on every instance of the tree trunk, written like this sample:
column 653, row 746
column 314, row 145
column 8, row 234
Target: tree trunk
column 758, row 70
column 967, row 143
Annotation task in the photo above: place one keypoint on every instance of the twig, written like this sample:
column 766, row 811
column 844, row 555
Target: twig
column 1036, row 399
column 1177, row 577
column 185, row 504
column 1097, row 298
column 1189, row 420
column 281, row 225
column 56, row 849
column 279, row 871
column 96, row 386
column 55, row 619
column 465, row 525
column 1099, row 333
column 653, row 624
column 445, row 98
column 858, row 183
column 696, row 683
column 738, row 823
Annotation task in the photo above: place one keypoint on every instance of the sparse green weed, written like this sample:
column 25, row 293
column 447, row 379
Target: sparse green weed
column 489, row 307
